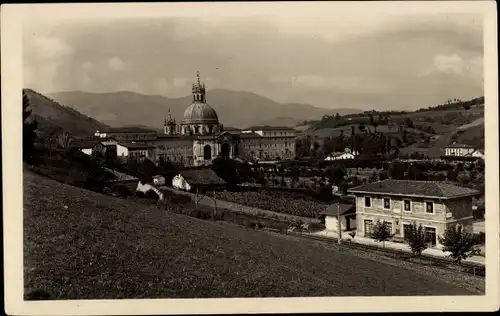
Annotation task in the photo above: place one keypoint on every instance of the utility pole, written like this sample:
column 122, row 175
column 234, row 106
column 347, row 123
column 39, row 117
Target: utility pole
column 339, row 226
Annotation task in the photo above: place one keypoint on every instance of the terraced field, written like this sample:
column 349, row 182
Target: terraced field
column 82, row 245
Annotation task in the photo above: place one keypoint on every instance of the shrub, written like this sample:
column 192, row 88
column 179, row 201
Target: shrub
column 381, row 232
column 416, row 239
column 461, row 243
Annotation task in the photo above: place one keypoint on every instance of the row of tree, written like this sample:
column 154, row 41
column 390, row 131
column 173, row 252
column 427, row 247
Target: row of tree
column 459, row 242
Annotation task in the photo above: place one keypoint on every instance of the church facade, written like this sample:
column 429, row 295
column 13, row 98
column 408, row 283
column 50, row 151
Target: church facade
column 200, row 137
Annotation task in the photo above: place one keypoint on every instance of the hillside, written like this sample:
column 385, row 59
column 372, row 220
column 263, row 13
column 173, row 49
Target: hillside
column 82, row 245
column 443, row 124
column 52, row 116
column 235, row 108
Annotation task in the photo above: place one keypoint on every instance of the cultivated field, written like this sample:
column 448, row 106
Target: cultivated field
column 82, row 245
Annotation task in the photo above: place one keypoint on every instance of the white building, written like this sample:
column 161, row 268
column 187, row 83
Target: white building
column 347, row 154
column 459, row 150
column 478, row 153
column 347, row 217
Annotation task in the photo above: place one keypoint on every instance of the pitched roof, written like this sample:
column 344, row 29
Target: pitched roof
column 136, row 146
column 129, row 129
column 345, row 209
column 269, row 128
column 201, row 177
column 84, row 144
column 250, row 135
column 431, row 189
column 459, row 146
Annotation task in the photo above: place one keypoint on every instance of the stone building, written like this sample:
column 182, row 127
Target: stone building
column 399, row 203
column 200, row 137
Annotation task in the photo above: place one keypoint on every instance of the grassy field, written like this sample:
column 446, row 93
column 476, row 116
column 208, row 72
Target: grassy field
column 82, row 245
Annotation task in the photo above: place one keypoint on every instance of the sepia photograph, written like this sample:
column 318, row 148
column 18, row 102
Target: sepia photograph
column 250, row 157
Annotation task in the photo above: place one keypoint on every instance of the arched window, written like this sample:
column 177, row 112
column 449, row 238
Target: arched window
column 207, row 152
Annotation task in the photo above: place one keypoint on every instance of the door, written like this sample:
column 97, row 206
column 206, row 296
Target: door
column 430, row 233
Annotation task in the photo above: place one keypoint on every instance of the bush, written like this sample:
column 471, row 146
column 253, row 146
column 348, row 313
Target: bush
column 461, row 243
column 381, row 232
column 416, row 239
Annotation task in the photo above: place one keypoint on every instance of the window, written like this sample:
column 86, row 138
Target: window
column 429, row 207
column 430, row 233
column 368, row 227
column 387, row 203
column 368, row 202
column 407, row 205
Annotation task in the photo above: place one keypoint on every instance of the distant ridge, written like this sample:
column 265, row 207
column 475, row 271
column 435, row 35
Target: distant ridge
column 234, row 108
column 52, row 116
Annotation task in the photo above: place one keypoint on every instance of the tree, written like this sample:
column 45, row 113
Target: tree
column 166, row 169
column 381, row 232
column 416, row 239
column 337, row 117
column 29, row 131
column 397, row 170
column 146, row 171
column 409, row 123
column 361, row 127
column 459, row 242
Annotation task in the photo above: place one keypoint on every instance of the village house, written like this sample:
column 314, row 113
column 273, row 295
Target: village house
column 347, row 214
column 197, row 178
column 135, row 150
column 478, row 153
column 347, row 154
column 399, row 203
column 458, row 150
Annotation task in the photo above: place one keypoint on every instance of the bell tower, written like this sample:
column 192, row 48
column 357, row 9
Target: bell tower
column 199, row 90
column 170, row 125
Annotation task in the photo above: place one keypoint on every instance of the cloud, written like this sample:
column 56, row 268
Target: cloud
column 116, row 64
column 181, row 82
column 454, row 64
column 43, row 58
column 49, row 48
column 87, row 66
column 346, row 83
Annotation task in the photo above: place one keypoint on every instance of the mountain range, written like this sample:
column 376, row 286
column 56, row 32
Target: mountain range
column 238, row 109
column 53, row 117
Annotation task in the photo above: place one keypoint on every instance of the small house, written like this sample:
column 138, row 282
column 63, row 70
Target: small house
column 459, row 150
column 193, row 179
column 135, row 150
column 347, row 213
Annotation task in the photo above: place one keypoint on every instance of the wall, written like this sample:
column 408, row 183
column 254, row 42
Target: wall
column 144, row 188
column 396, row 215
column 268, row 148
column 331, row 223
column 451, row 151
column 178, row 182
column 175, row 149
column 459, row 209
column 121, row 151
column 198, row 151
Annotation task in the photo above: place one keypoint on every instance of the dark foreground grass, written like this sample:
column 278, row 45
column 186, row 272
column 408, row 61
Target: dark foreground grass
column 82, row 245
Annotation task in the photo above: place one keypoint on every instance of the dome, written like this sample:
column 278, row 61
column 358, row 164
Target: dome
column 200, row 113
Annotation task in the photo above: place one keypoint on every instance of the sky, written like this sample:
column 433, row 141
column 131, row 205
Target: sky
column 331, row 57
